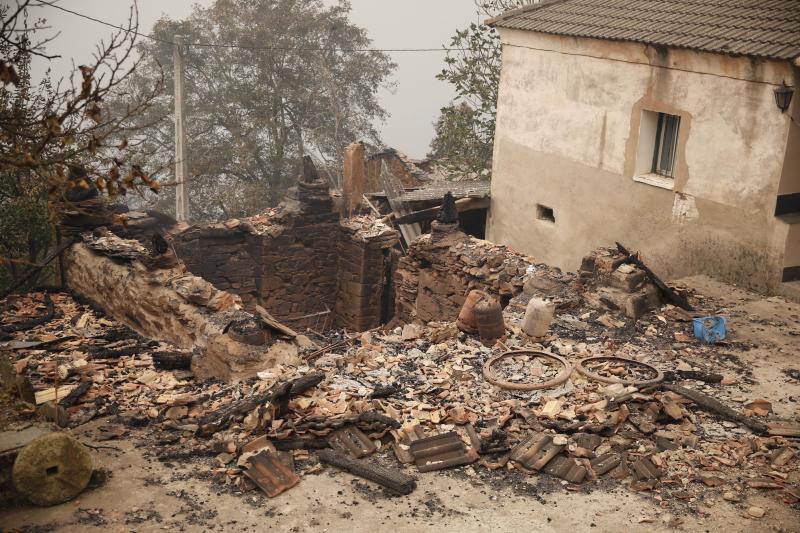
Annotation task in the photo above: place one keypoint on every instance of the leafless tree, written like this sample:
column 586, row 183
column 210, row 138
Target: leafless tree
column 57, row 139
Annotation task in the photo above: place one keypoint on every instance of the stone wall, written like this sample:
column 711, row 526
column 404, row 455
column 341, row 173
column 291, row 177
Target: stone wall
column 156, row 297
column 284, row 259
column 220, row 254
column 363, row 298
column 433, row 279
column 288, row 260
column 296, row 257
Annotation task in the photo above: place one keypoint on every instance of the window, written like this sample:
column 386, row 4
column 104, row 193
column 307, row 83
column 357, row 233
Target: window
column 666, row 145
column 658, row 147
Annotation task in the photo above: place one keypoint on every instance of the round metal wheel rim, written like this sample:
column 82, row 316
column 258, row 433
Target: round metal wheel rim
column 581, row 368
column 490, row 376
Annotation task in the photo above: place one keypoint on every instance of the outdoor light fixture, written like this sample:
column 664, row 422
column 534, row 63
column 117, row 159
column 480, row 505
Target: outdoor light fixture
column 783, row 96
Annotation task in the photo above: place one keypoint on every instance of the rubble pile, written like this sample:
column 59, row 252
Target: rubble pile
column 440, row 268
column 389, row 405
column 153, row 294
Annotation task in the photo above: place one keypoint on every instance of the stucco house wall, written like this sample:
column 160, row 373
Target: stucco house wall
column 568, row 124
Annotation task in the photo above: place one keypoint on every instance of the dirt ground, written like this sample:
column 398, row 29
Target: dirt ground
column 144, row 494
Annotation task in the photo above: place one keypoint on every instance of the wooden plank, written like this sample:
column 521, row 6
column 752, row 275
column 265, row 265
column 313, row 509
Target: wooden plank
column 52, row 394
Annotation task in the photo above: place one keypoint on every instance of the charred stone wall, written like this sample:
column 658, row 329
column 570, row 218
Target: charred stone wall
column 221, row 255
column 363, row 295
column 288, row 260
column 156, row 297
column 296, row 257
column 433, row 279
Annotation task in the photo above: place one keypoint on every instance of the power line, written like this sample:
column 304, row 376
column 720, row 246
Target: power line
column 108, row 23
column 262, row 48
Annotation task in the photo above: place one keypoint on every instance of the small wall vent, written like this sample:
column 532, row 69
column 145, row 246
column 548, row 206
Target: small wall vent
column 545, row 213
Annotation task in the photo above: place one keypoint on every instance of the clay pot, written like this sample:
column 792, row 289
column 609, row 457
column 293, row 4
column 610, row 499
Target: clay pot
column 466, row 318
column 489, row 316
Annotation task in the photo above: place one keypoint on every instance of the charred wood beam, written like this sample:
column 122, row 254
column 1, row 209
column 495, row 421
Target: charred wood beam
column 367, row 422
column 300, row 444
column 673, row 297
column 695, row 375
column 113, row 352
column 389, row 478
column 296, row 388
column 47, row 316
column 712, row 405
column 384, row 392
column 172, row 360
column 462, row 205
column 279, row 394
column 75, row 394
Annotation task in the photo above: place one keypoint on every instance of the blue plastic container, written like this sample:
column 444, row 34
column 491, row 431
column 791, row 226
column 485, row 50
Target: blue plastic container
column 710, row 329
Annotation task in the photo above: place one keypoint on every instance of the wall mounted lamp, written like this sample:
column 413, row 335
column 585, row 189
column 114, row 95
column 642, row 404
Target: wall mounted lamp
column 783, row 96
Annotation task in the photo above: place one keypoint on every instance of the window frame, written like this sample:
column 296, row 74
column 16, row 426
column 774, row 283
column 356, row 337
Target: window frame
column 658, row 148
column 666, row 145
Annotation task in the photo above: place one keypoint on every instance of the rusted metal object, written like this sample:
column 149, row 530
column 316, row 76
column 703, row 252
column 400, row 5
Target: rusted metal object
column 441, row 451
column 353, row 441
column 392, row 479
column 582, row 369
column 489, row 316
column 466, row 321
column 535, row 452
column 492, row 378
column 271, row 474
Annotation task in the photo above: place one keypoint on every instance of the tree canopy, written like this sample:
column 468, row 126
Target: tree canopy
column 464, row 135
column 268, row 81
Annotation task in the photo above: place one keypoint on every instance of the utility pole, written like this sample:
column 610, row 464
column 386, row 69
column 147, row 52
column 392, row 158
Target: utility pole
column 181, row 163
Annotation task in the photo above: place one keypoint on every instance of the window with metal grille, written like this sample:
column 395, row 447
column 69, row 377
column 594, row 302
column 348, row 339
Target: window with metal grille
column 666, row 145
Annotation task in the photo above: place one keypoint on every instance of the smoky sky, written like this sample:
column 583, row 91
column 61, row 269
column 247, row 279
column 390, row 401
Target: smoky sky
column 413, row 102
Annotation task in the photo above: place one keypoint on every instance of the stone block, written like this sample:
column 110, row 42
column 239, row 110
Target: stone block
column 606, row 264
column 637, row 305
column 627, row 280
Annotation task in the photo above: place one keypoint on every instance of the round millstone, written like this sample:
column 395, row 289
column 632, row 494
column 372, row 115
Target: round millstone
column 52, row 469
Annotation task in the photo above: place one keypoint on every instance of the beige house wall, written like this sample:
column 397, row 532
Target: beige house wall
column 568, row 125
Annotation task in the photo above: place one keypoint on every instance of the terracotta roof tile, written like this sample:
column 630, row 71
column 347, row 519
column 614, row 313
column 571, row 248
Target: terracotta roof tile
column 758, row 28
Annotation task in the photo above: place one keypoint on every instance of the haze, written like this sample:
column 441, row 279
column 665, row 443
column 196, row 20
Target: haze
column 414, row 103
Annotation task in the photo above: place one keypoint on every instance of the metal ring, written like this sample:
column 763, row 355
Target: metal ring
column 581, row 368
column 558, row 380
